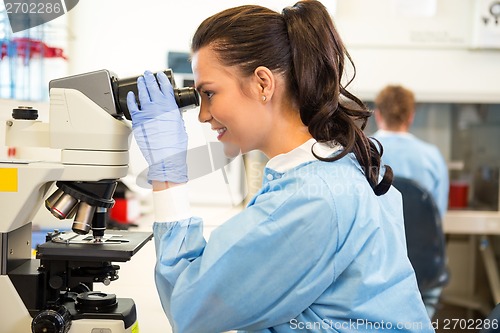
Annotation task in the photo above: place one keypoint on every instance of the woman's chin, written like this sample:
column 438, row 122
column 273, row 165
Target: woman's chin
column 231, row 150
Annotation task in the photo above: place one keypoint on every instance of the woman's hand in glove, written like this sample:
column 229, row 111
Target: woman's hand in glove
column 159, row 129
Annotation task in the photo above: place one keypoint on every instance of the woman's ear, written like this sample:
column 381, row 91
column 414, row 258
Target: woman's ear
column 265, row 83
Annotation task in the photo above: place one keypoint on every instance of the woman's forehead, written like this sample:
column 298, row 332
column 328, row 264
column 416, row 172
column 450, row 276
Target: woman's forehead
column 207, row 66
column 204, row 57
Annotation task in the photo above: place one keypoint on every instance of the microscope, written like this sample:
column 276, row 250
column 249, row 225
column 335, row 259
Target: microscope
column 54, row 292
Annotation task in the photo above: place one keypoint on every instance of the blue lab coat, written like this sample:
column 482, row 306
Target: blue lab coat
column 315, row 251
column 413, row 158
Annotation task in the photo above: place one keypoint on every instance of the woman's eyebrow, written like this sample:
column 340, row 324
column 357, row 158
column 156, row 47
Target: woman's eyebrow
column 199, row 87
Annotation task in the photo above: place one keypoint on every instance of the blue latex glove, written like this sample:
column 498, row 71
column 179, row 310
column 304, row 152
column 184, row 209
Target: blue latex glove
column 159, row 129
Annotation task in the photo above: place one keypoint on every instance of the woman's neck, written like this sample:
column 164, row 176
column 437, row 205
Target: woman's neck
column 288, row 134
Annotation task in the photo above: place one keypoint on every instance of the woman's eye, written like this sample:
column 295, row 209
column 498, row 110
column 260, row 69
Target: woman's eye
column 209, row 94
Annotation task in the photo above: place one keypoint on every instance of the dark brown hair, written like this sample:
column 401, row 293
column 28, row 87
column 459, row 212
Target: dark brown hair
column 303, row 45
column 396, row 105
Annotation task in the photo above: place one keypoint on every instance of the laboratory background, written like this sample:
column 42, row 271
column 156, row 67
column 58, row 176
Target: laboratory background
column 446, row 51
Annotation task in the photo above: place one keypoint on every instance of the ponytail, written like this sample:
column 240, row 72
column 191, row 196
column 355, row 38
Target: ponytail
column 329, row 110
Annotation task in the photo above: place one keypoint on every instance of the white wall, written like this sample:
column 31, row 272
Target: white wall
column 435, row 47
column 392, row 41
column 128, row 36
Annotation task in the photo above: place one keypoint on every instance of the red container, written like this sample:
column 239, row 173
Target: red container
column 119, row 211
column 459, row 195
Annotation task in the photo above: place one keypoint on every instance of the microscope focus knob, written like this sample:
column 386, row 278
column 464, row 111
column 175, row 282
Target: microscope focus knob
column 25, row 113
column 56, row 320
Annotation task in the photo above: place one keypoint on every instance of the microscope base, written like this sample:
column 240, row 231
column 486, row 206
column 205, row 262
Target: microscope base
column 61, row 282
column 15, row 318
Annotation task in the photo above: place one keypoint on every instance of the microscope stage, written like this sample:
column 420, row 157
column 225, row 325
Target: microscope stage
column 115, row 246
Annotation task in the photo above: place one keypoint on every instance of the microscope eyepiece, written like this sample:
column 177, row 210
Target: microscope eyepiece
column 109, row 92
column 186, row 98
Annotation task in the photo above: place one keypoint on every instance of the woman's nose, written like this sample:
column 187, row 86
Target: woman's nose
column 204, row 116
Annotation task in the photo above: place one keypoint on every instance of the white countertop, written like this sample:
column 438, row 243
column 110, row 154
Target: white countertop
column 472, row 222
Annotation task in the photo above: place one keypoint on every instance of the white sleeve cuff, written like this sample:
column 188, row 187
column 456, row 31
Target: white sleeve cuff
column 171, row 204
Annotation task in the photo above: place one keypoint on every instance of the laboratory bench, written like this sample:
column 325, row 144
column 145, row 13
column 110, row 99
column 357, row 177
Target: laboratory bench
column 474, row 276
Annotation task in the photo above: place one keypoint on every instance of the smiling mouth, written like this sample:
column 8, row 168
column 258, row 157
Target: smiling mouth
column 220, row 132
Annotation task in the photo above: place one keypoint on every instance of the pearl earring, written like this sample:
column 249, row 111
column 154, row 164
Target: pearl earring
column 264, row 98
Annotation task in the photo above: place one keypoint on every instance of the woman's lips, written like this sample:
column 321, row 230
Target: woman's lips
column 220, row 132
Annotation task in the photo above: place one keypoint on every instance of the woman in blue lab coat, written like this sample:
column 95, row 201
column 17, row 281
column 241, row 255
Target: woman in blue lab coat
column 320, row 247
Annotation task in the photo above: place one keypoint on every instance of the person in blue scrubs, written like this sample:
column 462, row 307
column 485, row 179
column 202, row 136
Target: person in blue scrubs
column 409, row 156
column 321, row 246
